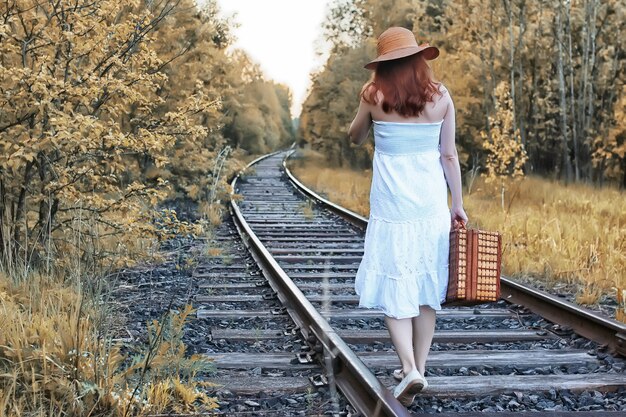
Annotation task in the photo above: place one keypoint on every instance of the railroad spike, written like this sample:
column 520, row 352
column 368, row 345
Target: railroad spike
column 270, row 295
column 318, row 380
column 291, row 331
column 304, row 358
column 278, row 311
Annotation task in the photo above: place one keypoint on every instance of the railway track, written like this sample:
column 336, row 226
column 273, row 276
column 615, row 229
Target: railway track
column 498, row 358
column 250, row 338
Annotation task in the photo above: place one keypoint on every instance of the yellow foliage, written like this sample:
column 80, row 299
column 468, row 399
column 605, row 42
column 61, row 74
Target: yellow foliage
column 570, row 125
column 99, row 126
column 80, row 114
column 610, row 146
column 505, row 153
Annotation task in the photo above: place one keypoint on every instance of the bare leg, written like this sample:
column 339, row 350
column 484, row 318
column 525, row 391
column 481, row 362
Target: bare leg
column 401, row 332
column 423, row 331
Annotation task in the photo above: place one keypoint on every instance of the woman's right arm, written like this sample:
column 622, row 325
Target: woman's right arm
column 450, row 162
column 361, row 124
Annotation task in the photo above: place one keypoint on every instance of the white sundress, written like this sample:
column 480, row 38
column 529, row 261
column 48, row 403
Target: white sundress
column 405, row 259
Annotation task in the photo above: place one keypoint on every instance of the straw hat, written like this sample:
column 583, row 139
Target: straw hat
column 397, row 42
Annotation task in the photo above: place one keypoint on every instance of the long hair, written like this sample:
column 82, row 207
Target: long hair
column 407, row 85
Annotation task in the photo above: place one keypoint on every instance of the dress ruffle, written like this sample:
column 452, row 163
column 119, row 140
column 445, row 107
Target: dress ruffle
column 405, row 265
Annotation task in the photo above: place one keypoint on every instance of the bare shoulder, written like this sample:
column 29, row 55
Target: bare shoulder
column 443, row 99
column 444, row 94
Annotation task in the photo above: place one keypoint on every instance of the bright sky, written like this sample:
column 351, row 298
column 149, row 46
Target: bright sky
column 282, row 36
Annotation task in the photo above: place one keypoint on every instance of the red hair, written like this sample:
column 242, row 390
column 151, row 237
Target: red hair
column 406, row 83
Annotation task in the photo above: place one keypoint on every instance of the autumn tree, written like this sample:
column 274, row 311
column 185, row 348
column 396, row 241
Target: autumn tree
column 505, row 153
column 258, row 110
column 242, row 111
column 67, row 74
column 329, row 108
column 609, row 156
column 85, row 119
column 561, row 60
column 110, row 107
column 330, row 105
column 346, row 25
column 562, row 64
column 192, row 43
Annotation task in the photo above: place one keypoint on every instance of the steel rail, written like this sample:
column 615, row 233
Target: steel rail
column 585, row 322
column 359, row 385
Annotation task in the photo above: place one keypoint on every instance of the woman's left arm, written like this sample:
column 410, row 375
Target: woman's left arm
column 361, row 124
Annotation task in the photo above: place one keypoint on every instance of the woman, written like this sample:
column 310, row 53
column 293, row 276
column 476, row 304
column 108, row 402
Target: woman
column 404, row 270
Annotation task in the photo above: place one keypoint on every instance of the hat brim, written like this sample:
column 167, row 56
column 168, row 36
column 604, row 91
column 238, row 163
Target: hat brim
column 429, row 52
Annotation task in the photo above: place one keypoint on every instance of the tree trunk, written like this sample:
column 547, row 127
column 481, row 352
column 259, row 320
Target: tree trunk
column 509, row 13
column 607, row 107
column 568, row 28
column 593, row 8
column 492, row 60
column 530, row 116
column 486, row 92
column 567, row 167
column 520, row 69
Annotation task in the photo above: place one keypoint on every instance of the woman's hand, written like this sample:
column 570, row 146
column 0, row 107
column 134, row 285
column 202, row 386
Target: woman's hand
column 458, row 215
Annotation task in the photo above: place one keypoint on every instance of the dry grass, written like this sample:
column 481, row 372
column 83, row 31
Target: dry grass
column 213, row 213
column 57, row 354
column 212, row 251
column 307, row 210
column 563, row 235
column 56, row 358
column 344, row 186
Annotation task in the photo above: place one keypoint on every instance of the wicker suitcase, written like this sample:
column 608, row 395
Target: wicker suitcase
column 474, row 271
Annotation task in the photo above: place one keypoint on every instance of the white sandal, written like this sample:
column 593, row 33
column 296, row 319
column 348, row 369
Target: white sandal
column 410, row 385
column 398, row 374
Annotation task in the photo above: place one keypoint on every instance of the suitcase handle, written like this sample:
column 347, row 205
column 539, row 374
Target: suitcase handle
column 460, row 224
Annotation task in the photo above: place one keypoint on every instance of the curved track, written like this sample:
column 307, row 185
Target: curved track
column 309, row 250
